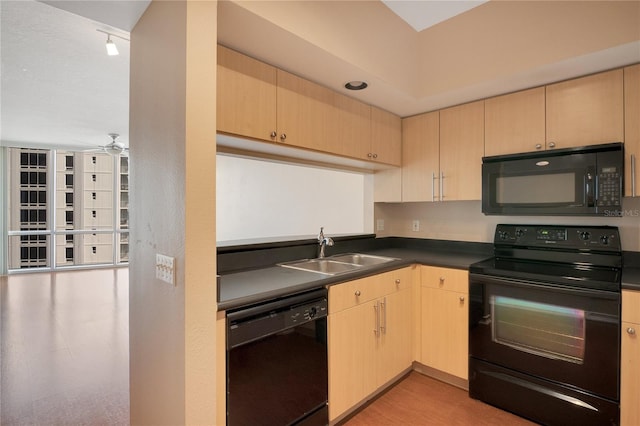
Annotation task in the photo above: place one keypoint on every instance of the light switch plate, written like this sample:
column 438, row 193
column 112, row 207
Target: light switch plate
column 165, row 268
column 416, row 225
column 380, row 224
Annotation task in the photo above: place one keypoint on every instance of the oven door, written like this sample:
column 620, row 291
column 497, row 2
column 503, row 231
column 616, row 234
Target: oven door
column 567, row 336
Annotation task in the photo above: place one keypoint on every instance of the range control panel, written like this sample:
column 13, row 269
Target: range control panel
column 577, row 237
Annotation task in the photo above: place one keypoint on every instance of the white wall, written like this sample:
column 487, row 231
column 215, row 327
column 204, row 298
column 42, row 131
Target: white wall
column 259, row 198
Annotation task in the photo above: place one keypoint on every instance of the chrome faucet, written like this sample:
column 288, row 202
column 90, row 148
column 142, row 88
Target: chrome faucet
column 322, row 242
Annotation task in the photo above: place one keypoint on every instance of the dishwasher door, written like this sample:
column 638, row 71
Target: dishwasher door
column 277, row 362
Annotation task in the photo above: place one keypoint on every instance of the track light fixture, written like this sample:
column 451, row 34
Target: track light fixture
column 112, row 50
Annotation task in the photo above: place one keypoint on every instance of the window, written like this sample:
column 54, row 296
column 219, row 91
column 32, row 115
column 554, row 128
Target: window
column 38, row 200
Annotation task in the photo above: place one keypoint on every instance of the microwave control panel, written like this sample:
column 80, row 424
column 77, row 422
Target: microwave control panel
column 609, row 187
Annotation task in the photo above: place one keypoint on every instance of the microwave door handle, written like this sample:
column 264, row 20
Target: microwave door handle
column 589, row 187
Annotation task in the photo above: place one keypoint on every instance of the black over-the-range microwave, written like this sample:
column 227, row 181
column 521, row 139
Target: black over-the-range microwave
column 585, row 181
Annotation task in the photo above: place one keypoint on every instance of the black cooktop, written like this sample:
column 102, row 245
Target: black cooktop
column 564, row 256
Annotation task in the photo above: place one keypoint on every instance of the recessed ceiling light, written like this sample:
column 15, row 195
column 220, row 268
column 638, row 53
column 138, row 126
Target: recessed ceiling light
column 356, row 85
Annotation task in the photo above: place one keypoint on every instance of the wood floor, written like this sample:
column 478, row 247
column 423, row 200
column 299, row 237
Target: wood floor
column 65, row 348
column 421, row 400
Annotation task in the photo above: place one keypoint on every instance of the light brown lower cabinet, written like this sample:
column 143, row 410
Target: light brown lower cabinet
column 369, row 336
column 630, row 359
column 445, row 320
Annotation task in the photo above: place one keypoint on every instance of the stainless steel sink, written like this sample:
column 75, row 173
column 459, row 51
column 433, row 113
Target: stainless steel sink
column 338, row 264
column 361, row 259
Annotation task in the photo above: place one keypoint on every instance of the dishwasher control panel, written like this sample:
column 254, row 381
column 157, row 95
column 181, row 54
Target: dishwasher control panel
column 307, row 312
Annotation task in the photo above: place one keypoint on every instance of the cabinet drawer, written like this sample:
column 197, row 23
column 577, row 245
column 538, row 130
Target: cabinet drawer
column 631, row 306
column 390, row 282
column 356, row 292
column 445, row 278
column 352, row 293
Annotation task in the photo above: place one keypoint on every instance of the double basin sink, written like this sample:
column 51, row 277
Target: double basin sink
column 338, row 264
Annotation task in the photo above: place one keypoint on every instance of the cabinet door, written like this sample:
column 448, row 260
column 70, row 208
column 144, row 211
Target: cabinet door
column 586, row 111
column 420, row 157
column 445, row 328
column 386, row 137
column 351, row 356
column 515, row 123
column 461, row 151
column 351, row 124
column 394, row 341
column 246, row 96
column 632, row 129
column 630, row 375
column 304, row 110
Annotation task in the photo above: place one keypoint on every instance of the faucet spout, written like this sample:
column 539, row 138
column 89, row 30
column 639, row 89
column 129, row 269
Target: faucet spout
column 323, row 242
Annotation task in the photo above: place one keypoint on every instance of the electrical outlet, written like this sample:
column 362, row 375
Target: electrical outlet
column 416, row 225
column 380, row 224
column 165, row 268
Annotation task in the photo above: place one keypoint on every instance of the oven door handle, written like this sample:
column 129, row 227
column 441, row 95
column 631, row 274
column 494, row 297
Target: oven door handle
column 513, row 282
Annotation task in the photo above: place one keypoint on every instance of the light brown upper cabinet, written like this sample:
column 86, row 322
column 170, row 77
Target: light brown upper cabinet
column 585, row 111
column 461, row 151
column 246, row 96
column 421, row 157
column 386, row 137
column 631, row 129
column 262, row 102
column 515, row 122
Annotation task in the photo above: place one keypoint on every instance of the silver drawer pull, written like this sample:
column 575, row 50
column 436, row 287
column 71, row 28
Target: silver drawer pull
column 357, row 293
column 461, row 298
column 631, row 330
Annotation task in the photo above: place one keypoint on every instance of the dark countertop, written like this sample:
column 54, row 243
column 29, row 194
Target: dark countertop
column 249, row 273
column 265, row 281
column 631, row 271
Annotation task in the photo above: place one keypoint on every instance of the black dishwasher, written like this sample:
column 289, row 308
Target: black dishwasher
column 277, row 362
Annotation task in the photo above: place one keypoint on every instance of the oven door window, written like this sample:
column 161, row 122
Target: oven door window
column 547, row 330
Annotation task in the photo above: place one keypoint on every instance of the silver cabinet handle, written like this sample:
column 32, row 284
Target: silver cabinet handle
column 441, row 280
column 383, row 309
column 552, row 144
column 357, row 293
column 376, row 308
column 461, row 298
column 397, row 281
column 283, row 137
column 375, row 155
column 273, row 134
column 631, row 330
column 369, row 155
column 633, row 175
column 441, row 186
column 538, row 146
column 433, row 186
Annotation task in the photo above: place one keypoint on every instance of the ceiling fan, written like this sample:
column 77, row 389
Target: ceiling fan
column 115, row 147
